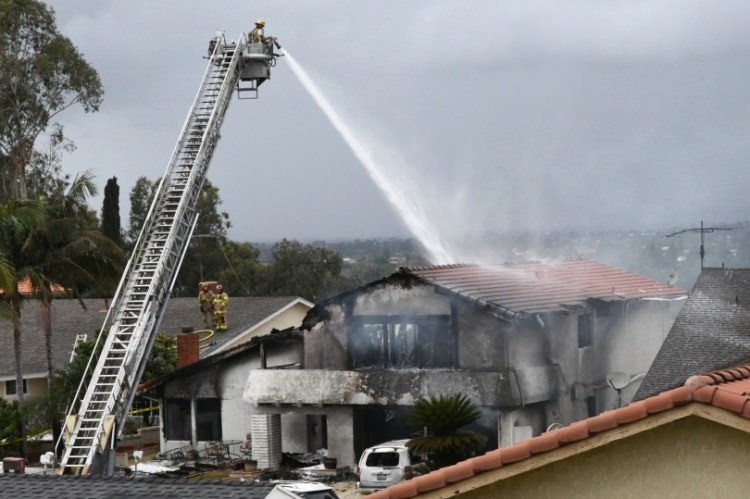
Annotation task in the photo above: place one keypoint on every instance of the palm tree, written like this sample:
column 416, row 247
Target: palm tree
column 442, row 417
column 68, row 254
column 18, row 219
column 53, row 245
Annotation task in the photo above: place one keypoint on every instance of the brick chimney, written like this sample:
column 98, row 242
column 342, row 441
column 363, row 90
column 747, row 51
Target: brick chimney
column 187, row 349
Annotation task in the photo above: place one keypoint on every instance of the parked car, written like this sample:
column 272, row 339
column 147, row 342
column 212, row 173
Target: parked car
column 384, row 464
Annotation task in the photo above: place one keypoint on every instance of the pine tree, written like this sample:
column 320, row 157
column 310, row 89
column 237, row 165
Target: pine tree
column 111, row 211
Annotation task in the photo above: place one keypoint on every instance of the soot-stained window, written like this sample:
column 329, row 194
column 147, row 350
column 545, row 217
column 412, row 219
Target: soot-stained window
column 178, row 419
column 401, row 342
column 208, row 419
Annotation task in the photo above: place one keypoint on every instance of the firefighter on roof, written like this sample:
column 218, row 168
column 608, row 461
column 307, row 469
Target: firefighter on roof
column 220, row 308
column 206, row 304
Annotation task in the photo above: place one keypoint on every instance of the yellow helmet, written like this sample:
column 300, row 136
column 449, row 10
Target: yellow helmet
column 260, row 22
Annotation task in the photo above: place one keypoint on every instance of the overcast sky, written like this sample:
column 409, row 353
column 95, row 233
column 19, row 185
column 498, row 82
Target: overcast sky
column 488, row 115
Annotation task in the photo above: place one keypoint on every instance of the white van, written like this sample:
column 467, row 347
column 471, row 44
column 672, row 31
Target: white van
column 384, row 464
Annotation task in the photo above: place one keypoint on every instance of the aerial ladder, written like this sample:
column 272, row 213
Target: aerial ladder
column 97, row 414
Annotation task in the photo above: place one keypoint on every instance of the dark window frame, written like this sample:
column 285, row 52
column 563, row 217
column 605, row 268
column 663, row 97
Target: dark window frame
column 402, row 341
column 208, row 410
column 11, row 389
column 177, row 419
column 585, row 330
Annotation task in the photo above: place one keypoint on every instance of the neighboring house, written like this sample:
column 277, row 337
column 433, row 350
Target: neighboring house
column 535, row 345
column 70, row 322
column 712, row 331
column 689, row 441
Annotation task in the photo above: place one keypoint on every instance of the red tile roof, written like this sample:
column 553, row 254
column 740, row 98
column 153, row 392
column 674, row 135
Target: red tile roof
column 727, row 389
column 543, row 287
column 24, row 287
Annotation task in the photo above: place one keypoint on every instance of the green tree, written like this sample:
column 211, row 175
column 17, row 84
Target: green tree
column 205, row 258
column 10, row 420
column 243, row 271
column 42, row 75
column 442, row 417
column 69, row 251
column 52, row 245
column 111, row 212
column 45, row 176
column 141, row 196
column 18, row 220
column 303, row 270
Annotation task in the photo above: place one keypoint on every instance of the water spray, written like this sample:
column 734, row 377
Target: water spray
column 412, row 214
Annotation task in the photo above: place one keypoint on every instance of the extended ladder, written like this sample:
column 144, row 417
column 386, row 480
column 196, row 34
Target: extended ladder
column 97, row 416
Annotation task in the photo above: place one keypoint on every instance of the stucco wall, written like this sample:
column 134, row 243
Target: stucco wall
column 630, row 344
column 692, row 457
column 228, row 381
column 481, row 340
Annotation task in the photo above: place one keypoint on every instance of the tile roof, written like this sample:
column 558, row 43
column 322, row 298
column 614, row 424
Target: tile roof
column 91, row 487
column 528, row 288
column 24, row 288
column 728, row 389
column 712, row 331
column 70, row 319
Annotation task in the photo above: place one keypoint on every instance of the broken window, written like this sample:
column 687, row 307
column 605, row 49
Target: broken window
column 208, row 419
column 177, row 419
column 401, row 342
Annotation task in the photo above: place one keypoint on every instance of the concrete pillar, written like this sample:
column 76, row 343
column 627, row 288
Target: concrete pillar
column 265, row 430
column 341, row 435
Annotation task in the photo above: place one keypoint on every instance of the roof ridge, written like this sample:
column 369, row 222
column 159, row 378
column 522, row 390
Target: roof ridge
column 708, row 388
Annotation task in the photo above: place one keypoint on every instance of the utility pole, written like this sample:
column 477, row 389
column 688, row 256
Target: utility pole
column 703, row 230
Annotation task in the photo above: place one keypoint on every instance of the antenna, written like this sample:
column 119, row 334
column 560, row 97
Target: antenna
column 702, row 231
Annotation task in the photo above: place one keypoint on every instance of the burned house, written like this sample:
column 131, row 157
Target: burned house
column 535, row 345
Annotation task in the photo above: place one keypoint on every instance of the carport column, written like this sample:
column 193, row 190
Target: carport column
column 265, row 430
column 507, row 421
column 193, row 422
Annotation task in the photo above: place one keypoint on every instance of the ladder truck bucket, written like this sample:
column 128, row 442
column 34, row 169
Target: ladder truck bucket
column 256, row 62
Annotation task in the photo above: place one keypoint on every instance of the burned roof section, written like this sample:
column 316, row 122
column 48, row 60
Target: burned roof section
column 712, row 331
column 516, row 290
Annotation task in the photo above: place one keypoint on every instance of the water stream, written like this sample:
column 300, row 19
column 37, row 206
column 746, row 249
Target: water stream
column 400, row 197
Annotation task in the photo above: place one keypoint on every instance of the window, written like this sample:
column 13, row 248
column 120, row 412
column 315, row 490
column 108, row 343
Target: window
column 10, row 387
column 591, row 406
column 177, row 419
column 401, row 342
column 208, row 419
column 585, row 331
